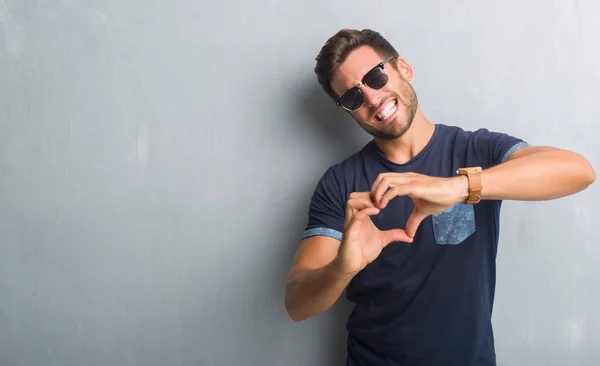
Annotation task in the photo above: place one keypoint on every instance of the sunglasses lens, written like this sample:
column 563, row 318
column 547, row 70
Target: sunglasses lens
column 352, row 100
column 376, row 78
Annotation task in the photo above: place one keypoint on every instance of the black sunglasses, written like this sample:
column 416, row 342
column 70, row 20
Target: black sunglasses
column 375, row 79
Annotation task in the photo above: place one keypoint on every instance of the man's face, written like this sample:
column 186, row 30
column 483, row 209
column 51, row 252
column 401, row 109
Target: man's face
column 386, row 113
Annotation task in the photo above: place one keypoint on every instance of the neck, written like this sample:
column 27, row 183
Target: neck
column 407, row 146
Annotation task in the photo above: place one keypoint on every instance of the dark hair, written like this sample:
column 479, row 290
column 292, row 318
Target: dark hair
column 338, row 47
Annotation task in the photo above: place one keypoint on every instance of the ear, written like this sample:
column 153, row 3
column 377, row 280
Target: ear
column 404, row 68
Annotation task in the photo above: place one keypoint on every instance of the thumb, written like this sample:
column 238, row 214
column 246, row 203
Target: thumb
column 389, row 236
column 414, row 221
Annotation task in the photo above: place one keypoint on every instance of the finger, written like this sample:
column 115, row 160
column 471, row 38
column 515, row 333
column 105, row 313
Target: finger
column 390, row 236
column 358, row 197
column 363, row 214
column 361, row 202
column 360, row 215
column 415, row 219
column 392, row 176
column 385, row 182
column 379, row 187
column 358, row 194
column 393, row 192
column 358, row 201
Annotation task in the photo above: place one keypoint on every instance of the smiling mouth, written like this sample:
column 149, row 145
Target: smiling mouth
column 387, row 111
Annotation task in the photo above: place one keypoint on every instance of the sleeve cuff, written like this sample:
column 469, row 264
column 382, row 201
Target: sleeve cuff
column 514, row 148
column 322, row 231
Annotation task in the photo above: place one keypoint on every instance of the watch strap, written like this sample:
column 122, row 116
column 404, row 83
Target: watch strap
column 474, row 177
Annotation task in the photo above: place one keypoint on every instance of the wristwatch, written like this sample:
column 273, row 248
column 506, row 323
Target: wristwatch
column 474, row 176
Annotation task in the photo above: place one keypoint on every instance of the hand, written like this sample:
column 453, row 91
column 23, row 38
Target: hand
column 362, row 241
column 430, row 195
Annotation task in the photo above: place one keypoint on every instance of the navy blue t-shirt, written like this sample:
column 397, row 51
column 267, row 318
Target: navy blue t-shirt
column 428, row 302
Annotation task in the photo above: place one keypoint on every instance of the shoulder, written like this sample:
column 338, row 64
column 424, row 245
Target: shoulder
column 457, row 132
column 488, row 146
column 338, row 179
column 480, row 133
column 347, row 168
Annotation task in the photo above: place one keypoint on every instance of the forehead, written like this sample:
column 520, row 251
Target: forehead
column 352, row 70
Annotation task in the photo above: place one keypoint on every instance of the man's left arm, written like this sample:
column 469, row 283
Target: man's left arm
column 536, row 173
column 529, row 173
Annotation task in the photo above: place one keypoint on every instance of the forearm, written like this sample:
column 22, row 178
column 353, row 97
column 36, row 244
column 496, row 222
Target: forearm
column 546, row 174
column 313, row 292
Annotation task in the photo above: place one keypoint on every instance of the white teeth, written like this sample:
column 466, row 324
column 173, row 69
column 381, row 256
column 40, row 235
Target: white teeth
column 389, row 109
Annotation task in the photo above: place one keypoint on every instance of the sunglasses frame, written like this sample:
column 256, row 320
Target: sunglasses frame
column 379, row 65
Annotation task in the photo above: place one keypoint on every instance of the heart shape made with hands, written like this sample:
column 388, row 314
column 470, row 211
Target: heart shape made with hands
column 430, row 195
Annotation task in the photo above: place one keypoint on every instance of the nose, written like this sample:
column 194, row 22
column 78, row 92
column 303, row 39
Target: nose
column 372, row 97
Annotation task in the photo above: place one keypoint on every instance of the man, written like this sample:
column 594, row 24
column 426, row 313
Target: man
column 409, row 224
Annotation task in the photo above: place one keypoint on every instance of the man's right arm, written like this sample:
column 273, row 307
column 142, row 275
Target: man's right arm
column 314, row 283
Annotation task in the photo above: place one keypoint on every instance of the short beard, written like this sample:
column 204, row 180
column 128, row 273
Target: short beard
column 410, row 106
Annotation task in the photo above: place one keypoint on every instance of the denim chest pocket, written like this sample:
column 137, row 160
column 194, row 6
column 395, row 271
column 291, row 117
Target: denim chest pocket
column 454, row 225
